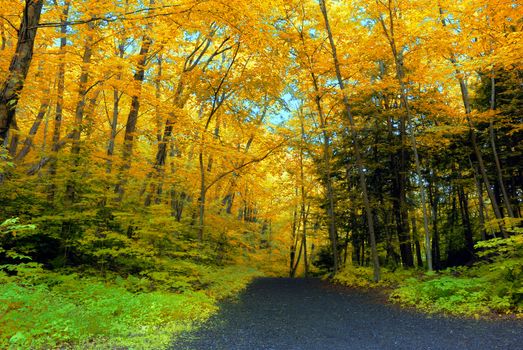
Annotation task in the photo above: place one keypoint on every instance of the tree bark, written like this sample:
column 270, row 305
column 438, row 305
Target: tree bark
column 481, row 203
column 465, row 217
column 435, row 248
column 132, row 118
column 117, row 95
column 28, row 143
column 416, row 242
column 59, row 104
column 400, row 76
column 79, row 116
column 357, row 152
column 473, row 138
column 303, row 200
column 333, row 235
column 20, row 63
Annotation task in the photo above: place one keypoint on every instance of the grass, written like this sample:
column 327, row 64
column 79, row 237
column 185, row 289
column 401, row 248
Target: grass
column 51, row 310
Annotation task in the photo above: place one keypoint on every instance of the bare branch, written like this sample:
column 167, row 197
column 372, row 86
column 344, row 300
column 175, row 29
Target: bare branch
column 255, row 160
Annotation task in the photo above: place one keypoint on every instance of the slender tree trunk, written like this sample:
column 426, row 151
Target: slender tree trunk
column 333, row 235
column 14, row 83
column 419, row 259
column 481, row 203
column 473, row 138
column 465, row 217
column 201, row 200
column 400, row 75
column 3, row 39
column 453, row 220
column 357, row 152
column 59, row 104
column 116, row 113
column 79, row 116
column 294, row 228
column 15, row 136
column 506, row 198
column 499, row 172
column 132, row 118
column 433, row 200
column 28, row 143
column 479, row 156
column 114, row 130
column 303, row 200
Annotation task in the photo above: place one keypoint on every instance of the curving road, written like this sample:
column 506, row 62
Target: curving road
column 300, row 314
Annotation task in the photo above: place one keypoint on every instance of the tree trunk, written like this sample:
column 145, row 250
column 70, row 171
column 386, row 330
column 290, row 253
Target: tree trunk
column 14, row 83
column 472, row 136
column 28, row 143
column 79, row 116
column 481, row 203
column 479, row 156
column 333, row 235
column 59, row 104
column 359, row 162
column 419, row 259
column 433, row 200
column 303, row 200
column 400, row 75
column 465, row 217
column 294, row 229
column 201, row 200
column 116, row 113
column 499, row 172
column 132, row 118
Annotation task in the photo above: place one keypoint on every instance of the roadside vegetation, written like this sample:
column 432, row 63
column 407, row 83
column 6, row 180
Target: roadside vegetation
column 491, row 287
column 84, row 308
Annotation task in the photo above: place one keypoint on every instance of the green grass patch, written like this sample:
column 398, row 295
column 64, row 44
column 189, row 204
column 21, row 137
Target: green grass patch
column 51, row 310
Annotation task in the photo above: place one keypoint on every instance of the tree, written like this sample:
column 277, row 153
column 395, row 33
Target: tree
column 13, row 84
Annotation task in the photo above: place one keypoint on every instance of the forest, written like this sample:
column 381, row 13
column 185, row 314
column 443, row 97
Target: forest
column 158, row 155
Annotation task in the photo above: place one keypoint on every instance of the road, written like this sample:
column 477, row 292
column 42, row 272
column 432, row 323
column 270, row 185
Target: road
column 303, row 314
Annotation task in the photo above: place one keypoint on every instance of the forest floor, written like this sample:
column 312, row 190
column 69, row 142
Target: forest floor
column 284, row 313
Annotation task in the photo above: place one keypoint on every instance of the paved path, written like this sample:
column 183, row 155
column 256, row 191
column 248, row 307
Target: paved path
column 299, row 314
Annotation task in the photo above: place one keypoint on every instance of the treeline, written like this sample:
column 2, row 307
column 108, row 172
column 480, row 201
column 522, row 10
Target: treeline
column 134, row 136
column 413, row 115
column 128, row 127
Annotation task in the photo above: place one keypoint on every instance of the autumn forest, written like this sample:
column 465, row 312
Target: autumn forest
column 166, row 152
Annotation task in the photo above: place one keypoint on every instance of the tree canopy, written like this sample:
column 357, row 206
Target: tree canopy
column 152, row 137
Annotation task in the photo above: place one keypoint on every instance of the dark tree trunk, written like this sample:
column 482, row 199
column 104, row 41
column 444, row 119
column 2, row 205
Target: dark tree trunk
column 356, row 145
column 132, row 118
column 465, row 217
column 59, row 105
column 79, row 117
column 435, row 248
column 28, row 143
column 492, row 136
column 419, row 259
column 14, row 83
column 481, row 210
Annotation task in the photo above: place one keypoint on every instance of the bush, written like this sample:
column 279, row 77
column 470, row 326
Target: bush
column 463, row 296
column 363, row 277
column 493, row 285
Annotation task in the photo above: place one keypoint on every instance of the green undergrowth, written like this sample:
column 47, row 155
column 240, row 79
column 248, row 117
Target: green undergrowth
column 491, row 286
column 46, row 310
column 362, row 277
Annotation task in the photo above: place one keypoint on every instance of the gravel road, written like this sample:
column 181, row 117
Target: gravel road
column 303, row 314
